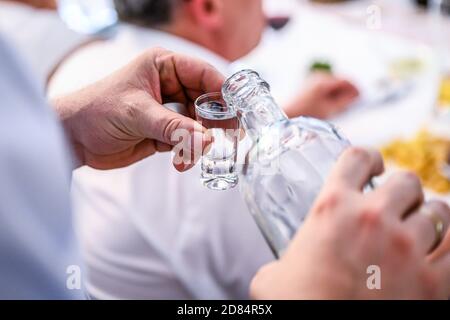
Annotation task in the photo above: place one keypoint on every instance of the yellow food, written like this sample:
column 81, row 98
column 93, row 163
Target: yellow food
column 425, row 155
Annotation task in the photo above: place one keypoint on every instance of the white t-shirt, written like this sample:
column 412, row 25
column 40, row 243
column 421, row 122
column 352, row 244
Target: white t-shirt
column 37, row 252
column 148, row 231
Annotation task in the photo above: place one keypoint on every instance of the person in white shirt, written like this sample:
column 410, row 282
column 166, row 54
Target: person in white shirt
column 200, row 234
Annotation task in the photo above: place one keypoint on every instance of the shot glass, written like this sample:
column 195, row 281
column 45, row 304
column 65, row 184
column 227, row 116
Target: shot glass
column 218, row 161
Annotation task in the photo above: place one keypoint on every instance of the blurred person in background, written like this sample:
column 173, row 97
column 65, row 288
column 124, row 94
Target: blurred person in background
column 37, row 31
column 204, row 243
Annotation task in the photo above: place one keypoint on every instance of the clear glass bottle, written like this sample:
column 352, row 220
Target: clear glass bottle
column 287, row 163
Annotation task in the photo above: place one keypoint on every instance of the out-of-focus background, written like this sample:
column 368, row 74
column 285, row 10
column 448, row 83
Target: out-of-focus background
column 395, row 52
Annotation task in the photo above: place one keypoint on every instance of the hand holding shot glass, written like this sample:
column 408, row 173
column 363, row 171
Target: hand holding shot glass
column 218, row 162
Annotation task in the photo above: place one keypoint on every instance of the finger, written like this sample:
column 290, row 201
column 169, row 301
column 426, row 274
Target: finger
column 184, row 78
column 345, row 98
column 184, row 161
column 143, row 150
column 342, row 87
column 403, row 191
column 423, row 227
column 191, row 110
column 169, row 129
column 356, row 166
column 175, row 131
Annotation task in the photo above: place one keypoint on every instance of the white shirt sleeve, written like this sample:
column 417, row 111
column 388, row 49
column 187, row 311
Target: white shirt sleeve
column 37, row 247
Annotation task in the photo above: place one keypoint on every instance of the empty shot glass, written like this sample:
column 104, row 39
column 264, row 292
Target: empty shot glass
column 218, row 162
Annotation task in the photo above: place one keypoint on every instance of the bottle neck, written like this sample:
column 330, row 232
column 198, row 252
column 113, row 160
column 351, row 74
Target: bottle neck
column 255, row 107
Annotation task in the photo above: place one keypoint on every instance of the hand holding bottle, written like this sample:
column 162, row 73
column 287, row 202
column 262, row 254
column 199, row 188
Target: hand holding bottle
column 348, row 234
